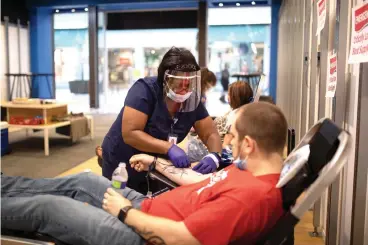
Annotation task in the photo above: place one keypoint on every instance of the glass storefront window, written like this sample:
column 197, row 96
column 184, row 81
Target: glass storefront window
column 71, row 55
column 137, row 56
column 71, row 59
column 239, row 41
column 240, row 48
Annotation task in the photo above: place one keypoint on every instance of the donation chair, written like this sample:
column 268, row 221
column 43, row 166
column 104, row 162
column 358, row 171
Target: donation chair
column 310, row 168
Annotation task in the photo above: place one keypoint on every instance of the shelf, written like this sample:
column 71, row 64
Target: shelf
column 31, row 106
column 40, row 126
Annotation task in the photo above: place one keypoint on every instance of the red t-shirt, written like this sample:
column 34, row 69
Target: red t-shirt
column 232, row 205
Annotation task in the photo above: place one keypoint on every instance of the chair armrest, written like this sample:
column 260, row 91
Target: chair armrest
column 160, row 177
column 18, row 237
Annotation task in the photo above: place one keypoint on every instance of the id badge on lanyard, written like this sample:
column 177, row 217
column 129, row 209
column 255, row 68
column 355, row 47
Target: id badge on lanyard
column 173, row 138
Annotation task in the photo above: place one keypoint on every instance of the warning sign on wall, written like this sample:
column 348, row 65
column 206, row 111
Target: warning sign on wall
column 359, row 35
column 332, row 76
column 321, row 15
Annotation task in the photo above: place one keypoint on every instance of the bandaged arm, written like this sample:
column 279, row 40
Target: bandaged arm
column 181, row 176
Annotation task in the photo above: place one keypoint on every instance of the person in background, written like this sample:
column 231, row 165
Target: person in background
column 208, row 80
column 225, row 80
column 240, row 93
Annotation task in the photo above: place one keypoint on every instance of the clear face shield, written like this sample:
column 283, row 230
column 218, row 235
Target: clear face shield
column 184, row 87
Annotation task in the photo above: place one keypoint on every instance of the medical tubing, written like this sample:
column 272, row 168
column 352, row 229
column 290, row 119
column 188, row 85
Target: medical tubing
column 150, row 168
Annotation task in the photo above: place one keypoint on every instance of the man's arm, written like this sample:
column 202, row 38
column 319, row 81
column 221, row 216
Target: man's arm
column 181, row 176
column 155, row 230
column 159, row 231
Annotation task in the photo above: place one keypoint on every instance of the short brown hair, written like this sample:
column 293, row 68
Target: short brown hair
column 265, row 123
column 207, row 77
column 240, row 93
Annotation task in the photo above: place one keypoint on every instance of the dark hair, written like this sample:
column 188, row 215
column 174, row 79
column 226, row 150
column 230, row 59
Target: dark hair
column 179, row 59
column 207, row 77
column 265, row 123
column 240, row 93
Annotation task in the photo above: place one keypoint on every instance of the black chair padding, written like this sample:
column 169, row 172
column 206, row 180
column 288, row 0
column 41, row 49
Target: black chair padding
column 160, row 177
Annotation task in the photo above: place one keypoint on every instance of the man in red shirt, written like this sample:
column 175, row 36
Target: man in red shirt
column 235, row 205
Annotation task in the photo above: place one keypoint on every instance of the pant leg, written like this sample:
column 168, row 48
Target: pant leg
column 84, row 187
column 65, row 219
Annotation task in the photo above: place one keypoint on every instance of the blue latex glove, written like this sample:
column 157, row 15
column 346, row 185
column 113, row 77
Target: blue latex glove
column 178, row 157
column 208, row 164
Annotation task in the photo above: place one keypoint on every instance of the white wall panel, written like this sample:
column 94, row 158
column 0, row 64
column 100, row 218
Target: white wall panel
column 16, row 65
column 3, row 81
column 24, row 49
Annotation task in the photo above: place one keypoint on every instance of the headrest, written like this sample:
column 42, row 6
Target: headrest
column 302, row 169
column 293, row 163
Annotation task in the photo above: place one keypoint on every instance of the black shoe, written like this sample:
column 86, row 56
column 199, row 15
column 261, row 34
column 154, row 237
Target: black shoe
column 100, row 161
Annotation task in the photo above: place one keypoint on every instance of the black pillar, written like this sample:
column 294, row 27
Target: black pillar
column 93, row 57
column 202, row 33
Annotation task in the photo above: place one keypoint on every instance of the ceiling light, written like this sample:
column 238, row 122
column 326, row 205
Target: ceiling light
column 253, row 3
column 73, row 10
column 238, row 4
column 57, row 11
column 221, row 4
column 86, row 9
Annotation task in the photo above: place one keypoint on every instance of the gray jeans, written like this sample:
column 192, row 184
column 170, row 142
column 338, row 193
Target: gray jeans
column 68, row 209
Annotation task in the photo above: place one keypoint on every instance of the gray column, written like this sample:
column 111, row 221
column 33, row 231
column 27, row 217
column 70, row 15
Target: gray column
column 334, row 214
column 306, row 68
column 314, row 70
column 360, row 195
column 202, row 33
column 93, row 57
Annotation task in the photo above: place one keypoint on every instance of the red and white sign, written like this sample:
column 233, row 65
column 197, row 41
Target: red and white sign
column 359, row 36
column 332, row 76
column 321, row 15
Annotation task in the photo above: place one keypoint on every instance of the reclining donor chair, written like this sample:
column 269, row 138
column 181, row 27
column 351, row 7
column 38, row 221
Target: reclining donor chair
column 310, row 168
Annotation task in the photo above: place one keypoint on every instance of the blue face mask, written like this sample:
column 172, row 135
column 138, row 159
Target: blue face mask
column 241, row 164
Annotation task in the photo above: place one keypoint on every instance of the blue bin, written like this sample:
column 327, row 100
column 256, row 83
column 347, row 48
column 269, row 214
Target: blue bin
column 4, row 138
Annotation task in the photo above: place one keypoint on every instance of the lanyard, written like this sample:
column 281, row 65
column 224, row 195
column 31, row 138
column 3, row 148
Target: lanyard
column 175, row 120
